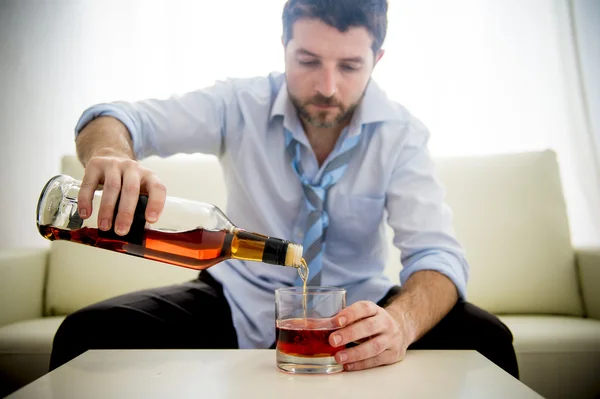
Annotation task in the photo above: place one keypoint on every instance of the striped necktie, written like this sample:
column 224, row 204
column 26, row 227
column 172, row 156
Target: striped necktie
column 315, row 196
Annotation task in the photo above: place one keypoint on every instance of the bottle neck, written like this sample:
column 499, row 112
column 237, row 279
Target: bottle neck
column 257, row 247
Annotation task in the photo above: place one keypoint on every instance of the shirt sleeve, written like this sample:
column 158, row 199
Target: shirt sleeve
column 189, row 123
column 421, row 220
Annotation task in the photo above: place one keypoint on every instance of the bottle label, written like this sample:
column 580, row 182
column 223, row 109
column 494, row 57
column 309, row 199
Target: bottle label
column 275, row 251
column 138, row 226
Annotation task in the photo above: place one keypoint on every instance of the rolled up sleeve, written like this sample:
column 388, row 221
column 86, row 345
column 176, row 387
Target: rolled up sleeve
column 421, row 220
column 189, row 123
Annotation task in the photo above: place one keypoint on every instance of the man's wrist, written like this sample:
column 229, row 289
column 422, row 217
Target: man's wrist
column 109, row 152
column 425, row 299
column 104, row 136
column 402, row 316
column 103, row 152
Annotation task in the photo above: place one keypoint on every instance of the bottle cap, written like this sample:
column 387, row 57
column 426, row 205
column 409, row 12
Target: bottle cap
column 293, row 256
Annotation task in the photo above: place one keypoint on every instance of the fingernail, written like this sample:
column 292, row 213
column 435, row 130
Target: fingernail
column 152, row 216
column 337, row 339
column 349, row 366
column 83, row 212
column 343, row 357
column 342, row 320
column 104, row 224
column 121, row 230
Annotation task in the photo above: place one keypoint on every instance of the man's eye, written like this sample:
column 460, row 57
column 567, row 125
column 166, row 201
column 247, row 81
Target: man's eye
column 349, row 68
column 308, row 63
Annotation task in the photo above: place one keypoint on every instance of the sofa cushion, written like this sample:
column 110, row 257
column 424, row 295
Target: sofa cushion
column 510, row 216
column 559, row 357
column 25, row 349
column 22, row 280
column 79, row 275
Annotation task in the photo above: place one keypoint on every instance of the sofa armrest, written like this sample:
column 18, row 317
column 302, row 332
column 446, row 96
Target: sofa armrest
column 22, row 281
column 588, row 263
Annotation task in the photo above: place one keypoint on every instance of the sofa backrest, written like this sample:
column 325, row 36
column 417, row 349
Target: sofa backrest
column 511, row 217
column 509, row 214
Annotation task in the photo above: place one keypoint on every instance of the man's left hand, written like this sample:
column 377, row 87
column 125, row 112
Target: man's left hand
column 384, row 337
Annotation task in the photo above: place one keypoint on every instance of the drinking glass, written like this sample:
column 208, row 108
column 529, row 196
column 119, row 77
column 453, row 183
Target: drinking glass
column 303, row 325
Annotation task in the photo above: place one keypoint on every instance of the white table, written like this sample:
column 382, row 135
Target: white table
column 246, row 374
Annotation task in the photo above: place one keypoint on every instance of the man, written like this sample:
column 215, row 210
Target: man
column 318, row 146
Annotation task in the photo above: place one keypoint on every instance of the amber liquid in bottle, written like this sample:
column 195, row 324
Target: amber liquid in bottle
column 196, row 249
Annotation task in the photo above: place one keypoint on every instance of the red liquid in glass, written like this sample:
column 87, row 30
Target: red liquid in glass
column 305, row 337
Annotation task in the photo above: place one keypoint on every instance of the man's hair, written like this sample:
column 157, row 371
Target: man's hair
column 340, row 14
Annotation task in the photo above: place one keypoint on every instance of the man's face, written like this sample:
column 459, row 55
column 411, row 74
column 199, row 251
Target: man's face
column 327, row 71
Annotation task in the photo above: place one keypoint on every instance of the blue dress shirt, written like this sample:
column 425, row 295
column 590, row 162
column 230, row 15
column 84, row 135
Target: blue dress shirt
column 390, row 177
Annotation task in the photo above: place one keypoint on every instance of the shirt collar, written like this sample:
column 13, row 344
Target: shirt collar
column 283, row 107
column 374, row 107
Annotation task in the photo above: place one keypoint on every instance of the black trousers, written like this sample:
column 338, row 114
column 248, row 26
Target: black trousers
column 196, row 315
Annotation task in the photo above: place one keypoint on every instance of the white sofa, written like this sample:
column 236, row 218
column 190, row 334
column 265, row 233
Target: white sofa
column 509, row 214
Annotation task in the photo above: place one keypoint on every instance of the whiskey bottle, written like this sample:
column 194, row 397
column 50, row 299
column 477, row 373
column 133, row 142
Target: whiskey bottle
column 190, row 234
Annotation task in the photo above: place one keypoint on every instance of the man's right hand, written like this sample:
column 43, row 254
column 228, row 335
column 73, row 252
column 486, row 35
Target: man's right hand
column 127, row 178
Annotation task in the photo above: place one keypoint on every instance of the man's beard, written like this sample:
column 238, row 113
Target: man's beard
column 319, row 119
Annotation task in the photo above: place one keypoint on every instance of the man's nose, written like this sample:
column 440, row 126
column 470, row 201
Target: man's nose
column 327, row 85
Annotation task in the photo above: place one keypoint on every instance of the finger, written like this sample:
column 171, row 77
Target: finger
column 110, row 193
column 356, row 311
column 371, row 348
column 364, row 328
column 379, row 360
column 89, row 184
column 157, row 195
column 130, row 194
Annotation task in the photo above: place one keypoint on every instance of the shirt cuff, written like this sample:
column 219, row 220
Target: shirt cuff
column 99, row 110
column 451, row 266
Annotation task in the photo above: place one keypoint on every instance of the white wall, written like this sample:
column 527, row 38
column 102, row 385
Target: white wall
column 40, row 98
column 486, row 76
column 586, row 15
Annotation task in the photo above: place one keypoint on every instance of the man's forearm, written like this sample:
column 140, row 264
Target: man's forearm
column 104, row 136
column 425, row 298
